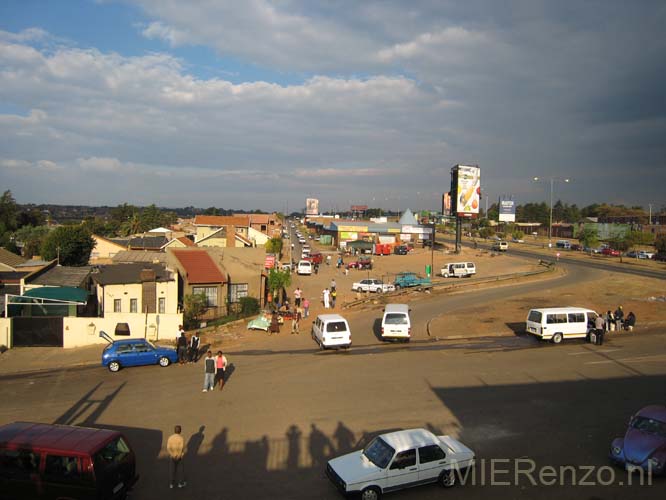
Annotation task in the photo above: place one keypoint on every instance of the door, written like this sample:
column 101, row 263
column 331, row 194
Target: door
column 432, row 460
column 19, row 474
column 145, row 354
column 126, row 356
column 63, row 478
column 403, row 470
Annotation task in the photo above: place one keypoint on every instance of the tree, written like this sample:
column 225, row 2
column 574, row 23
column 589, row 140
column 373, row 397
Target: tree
column 660, row 243
column 31, row 239
column 278, row 281
column 72, row 245
column 193, row 308
column 274, row 245
column 588, row 237
column 8, row 211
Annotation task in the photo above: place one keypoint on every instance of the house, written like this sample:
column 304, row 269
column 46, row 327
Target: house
column 227, row 231
column 268, row 224
column 180, row 242
column 9, row 260
column 143, row 242
column 244, row 270
column 129, row 256
column 201, row 275
column 104, row 250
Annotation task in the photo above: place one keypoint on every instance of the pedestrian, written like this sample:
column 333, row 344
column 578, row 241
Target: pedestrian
column 619, row 316
column 194, row 347
column 610, row 321
column 274, row 328
column 176, row 450
column 630, row 322
column 295, row 323
column 306, row 307
column 326, row 296
column 209, row 372
column 599, row 324
column 220, row 368
column 297, row 296
column 334, row 295
column 328, row 260
column 181, row 345
column 333, row 284
column 316, row 268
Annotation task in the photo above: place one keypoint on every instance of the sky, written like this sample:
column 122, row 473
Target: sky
column 260, row 104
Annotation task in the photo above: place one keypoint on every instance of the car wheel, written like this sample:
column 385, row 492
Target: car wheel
column 164, row 362
column 359, row 290
column 446, row 275
column 397, row 287
column 557, row 338
column 447, row 478
column 371, row 493
column 114, row 366
column 378, row 290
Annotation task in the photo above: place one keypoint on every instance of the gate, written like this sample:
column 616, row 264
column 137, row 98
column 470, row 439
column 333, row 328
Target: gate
column 37, row 332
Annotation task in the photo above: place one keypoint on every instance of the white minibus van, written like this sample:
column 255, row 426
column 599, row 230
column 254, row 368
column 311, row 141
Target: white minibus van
column 331, row 331
column 396, row 323
column 558, row 323
column 458, row 269
column 304, row 267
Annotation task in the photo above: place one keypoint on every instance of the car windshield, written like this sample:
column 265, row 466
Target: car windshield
column 395, row 319
column 649, row 425
column 378, row 452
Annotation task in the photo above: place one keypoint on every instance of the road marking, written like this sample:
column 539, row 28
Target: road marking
column 636, row 359
column 592, row 352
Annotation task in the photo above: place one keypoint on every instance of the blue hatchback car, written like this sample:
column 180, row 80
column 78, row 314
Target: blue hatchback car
column 136, row 352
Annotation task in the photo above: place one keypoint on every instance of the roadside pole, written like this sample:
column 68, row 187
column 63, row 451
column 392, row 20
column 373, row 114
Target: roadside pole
column 458, row 234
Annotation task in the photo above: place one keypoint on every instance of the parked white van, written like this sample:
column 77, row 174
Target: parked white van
column 396, row 323
column 304, row 267
column 558, row 323
column 331, row 331
column 458, row 269
column 500, row 246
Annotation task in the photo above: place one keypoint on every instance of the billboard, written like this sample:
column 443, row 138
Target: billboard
column 465, row 190
column 446, row 204
column 507, row 210
column 311, row 206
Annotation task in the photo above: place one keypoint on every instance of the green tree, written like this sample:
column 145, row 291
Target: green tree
column 193, row 308
column 31, row 239
column 278, row 281
column 274, row 245
column 660, row 243
column 588, row 237
column 8, row 212
column 72, row 245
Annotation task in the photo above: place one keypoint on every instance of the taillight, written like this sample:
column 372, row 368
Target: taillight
column 382, row 330
column 409, row 330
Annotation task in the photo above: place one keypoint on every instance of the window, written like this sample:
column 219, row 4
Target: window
column 395, row 319
column 336, row 326
column 404, row 459
column 161, row 305
column 431, row 453
column 142, row 348
column 209, row 291
column 535, row 316
column 18, row 464
column 62, row 469
column 576, row 317
column 133, row 305
column 123, row 349
column 116, row 305
column 113, row 453
column 556, row 318
column 237, row 291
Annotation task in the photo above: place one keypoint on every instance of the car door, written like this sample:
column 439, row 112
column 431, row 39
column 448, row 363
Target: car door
column 432, row 460
column 145, row 354
column 126, row 355
column 403, row 470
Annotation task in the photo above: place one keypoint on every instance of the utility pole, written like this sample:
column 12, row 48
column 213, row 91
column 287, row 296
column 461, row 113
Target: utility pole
column 650, row 220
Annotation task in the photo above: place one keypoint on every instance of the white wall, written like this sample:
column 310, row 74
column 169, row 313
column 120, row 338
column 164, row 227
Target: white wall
column 5, row 328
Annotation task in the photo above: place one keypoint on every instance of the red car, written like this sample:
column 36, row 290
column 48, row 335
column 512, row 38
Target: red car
column 360, row 264
column 610, row 252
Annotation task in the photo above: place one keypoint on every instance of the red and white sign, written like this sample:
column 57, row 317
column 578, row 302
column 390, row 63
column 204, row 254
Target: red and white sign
column 270, row 262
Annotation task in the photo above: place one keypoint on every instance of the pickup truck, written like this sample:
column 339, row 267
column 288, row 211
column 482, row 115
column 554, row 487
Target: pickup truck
column 372, row 285
column 315, row 258
column 410, row 280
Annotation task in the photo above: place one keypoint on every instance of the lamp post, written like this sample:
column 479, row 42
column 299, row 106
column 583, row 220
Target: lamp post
column 550, row 219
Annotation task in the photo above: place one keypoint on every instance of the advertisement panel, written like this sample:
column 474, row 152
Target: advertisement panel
column 311, row 206
column 446, row 204
column 507, row 210
column 348, row 236
column 468, row 190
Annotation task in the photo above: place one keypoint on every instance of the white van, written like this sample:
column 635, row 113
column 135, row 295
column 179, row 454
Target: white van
column 396, row 323
column 458, row 269
column 557, row 323
column 500, row 246
column 331, row 330
column 304, row 267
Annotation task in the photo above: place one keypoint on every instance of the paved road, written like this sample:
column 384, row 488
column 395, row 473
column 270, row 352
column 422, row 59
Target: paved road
column 288, row 407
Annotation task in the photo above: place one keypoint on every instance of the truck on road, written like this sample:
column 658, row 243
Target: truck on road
column 411, row 280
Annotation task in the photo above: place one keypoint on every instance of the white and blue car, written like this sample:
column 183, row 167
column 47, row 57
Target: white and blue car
column 398, row 460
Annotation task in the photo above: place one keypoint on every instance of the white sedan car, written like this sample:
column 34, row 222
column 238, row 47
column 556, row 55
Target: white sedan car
column 372, row 285
column 398, row 460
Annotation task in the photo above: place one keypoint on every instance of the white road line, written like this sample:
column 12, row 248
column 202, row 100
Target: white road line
column 592, row 352
column 638, row 359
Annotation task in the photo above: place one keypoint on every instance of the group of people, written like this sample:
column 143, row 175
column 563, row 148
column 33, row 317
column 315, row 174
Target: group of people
column 613, row 321
column 329, row 295
column 301, row 310
column 188, row 350
column 214, row 370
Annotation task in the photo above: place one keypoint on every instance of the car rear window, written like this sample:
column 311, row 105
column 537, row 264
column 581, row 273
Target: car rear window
column 114, row 452
column 17, row 464
column 535, row 316
column 336, row 326
column 395, row 319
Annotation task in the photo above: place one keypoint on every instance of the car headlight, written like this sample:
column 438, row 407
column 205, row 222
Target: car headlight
column 616, row 450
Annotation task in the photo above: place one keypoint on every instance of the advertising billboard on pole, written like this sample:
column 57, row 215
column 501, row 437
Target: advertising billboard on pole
column 311, row 206
column 466, row 190
column 507, row 210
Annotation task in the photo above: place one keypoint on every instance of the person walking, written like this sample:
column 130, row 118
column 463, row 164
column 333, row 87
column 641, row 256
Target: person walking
column 333, row 284
column 326, row 295
column 610, row 321
column 220, row 368
column 194, row 347
column 176, row 450
column 297, row 296
column 306, row 307
column 599, row 324
column 334, row 295
column 274, row 327
column 181, row 345
column 210, row 369
column 295, row 323
column 619, row 316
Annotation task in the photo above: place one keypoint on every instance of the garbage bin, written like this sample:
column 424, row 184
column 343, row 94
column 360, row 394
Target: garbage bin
column 428, row 270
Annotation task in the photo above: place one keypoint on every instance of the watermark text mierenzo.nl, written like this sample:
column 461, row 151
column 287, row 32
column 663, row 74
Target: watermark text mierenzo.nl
column 526, row 472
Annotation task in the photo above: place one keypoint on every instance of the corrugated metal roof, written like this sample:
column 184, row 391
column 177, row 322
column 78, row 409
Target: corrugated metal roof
column 120, row 274
column 199, row 266
column 140, row 256
column 222, row 220
column 63, row 276
column 9, row 258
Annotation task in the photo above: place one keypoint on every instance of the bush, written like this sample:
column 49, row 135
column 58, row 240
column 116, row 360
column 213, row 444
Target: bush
column 249, row 306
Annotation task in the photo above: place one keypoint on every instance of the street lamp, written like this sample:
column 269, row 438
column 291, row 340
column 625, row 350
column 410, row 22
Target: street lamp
column 550, row 220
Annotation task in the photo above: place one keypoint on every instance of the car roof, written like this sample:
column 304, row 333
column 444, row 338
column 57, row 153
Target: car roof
column 409, row 438
column 129, row 341
column 565, row 309
column 397, row 308
column 65, row 438
column 656, row 412
column 331, row 317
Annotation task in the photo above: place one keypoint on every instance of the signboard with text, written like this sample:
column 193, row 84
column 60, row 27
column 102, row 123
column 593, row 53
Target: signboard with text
column 507, row 210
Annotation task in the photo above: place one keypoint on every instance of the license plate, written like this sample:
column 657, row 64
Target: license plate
column 118, row 487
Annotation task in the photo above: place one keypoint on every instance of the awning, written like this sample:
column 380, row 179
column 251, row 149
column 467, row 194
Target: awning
column 60, row 293
column 360, row 244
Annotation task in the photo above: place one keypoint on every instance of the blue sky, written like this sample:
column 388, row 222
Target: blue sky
column 261, row 103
